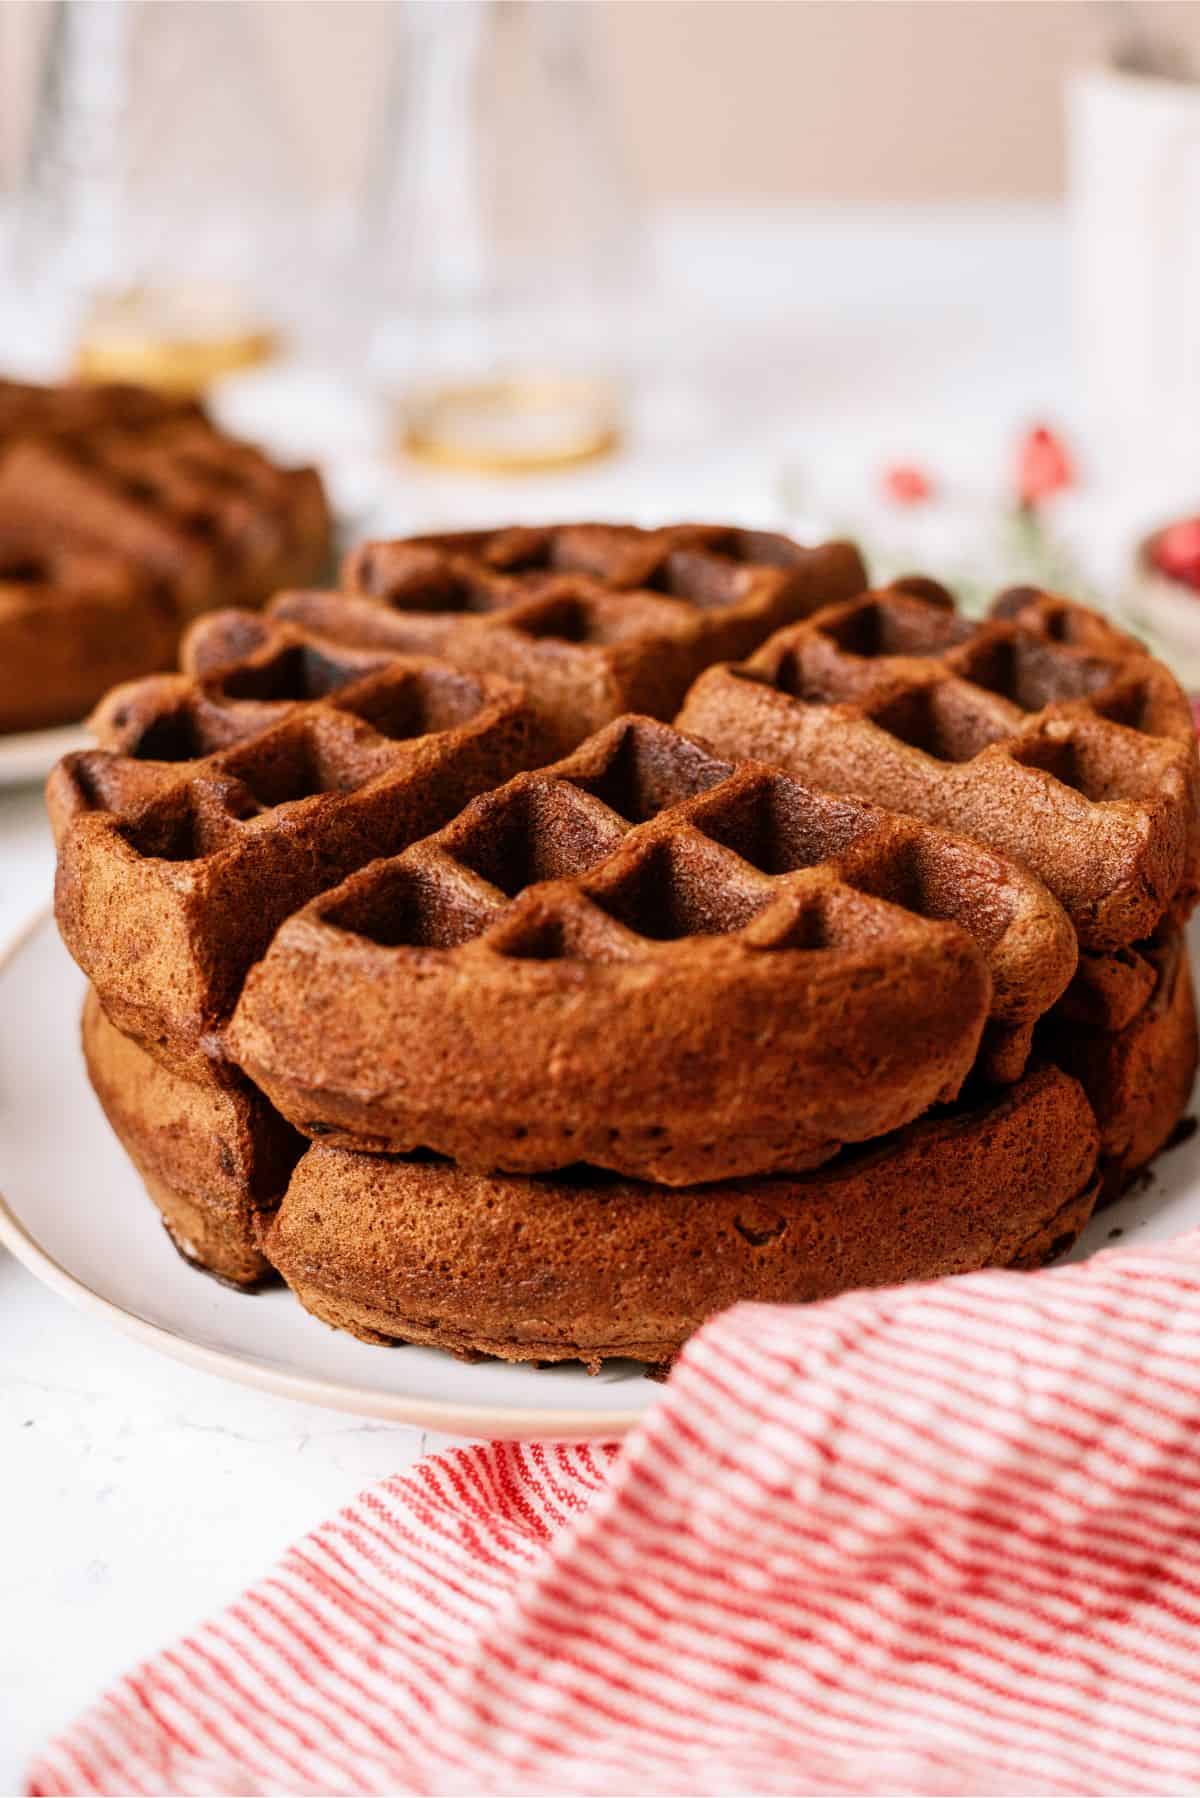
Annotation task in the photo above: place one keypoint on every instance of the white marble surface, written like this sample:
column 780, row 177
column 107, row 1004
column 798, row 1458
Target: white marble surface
column 137, row 1495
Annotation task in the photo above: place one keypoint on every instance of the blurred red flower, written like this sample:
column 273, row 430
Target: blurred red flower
column 907, row 484
column 1044, row 465
column 1175, row 551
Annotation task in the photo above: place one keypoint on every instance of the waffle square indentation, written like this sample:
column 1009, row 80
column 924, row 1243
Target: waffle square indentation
column 779, row 826
column 301, row 759
column 944, row 720
column 643, row 768
column 411, row 904
column 679, row 887
column 1032, row 673
column 416, row 702
column 299, row 671
column 893, row 627
column 532, row 831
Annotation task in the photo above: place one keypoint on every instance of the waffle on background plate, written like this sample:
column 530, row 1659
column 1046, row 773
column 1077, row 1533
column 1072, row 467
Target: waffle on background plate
column 494, row 1015
column 123, row 515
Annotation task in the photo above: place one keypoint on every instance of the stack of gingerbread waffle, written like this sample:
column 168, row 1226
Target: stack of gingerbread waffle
column 494, row 1014
column 124, row 514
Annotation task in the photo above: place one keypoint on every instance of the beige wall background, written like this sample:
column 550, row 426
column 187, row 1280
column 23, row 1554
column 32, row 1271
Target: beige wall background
column 735, row 100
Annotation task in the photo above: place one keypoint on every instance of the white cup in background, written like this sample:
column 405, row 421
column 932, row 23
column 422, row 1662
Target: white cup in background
column 1134, row 187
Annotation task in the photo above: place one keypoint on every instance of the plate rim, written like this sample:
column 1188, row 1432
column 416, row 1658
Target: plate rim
column 448, row 1417
column 27, row 756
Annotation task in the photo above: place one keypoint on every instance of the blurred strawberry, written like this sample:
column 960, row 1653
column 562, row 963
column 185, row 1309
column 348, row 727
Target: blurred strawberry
column 1044, row 466
column 1175, row 552
column 907, row 485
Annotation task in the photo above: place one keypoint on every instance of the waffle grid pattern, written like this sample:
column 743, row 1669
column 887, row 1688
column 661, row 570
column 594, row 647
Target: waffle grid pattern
column 223, row 805
column 647, row 839
column 639, row 899
column 174, row 728
column 198, row 510
column 595, row 620
column 1043, row 732
column 353, row 892
column 122, row 517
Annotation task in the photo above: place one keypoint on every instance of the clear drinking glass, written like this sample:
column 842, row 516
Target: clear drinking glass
column 159, row 209
column 503, row 228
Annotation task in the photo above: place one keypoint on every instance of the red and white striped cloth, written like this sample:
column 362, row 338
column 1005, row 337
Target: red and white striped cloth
column 940, row 1538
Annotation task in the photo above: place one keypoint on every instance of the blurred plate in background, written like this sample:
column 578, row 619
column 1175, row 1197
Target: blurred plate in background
column 28, row 756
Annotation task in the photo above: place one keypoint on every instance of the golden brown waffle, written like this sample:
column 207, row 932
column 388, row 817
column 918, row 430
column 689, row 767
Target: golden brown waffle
column 238, row 800
column 211, row 1157
column 643, row 957
column 593, row 620
column 648, row 960
column 122, row 516
column 174, row 719
column 76, row 410
column 1138, row 1075
column 212, row 518
column 551, row 1270
column 73, row 621
column 586, row 1266
column 1043, row 732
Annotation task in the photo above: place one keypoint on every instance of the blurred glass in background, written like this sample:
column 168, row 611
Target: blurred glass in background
column 486, row 265
column 161, row 215
column 502, row 229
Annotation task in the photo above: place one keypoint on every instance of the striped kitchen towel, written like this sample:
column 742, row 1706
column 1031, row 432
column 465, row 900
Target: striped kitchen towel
column 933, row 1539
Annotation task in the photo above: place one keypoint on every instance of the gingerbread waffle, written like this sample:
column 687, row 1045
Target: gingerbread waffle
column 212, row 518
column 212, row 1157
column 584, row 1265
column 122, row 516
column 593, row 620
column 695, row 1027
column 588, row 1269
column 74, row 411
column 1138, row 1073
column 1043, row 732
column 235, row 801
column 73, row 621
column 644, row 958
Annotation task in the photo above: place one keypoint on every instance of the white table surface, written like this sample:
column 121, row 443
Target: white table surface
column 138, row 1495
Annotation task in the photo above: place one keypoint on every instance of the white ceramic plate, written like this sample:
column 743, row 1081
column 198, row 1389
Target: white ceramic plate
column 74, row 1212
column 29, row 755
